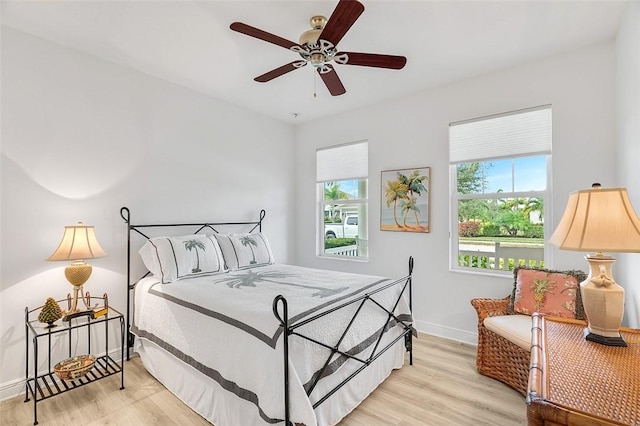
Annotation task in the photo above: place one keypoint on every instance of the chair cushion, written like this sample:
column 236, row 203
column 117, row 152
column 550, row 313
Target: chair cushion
column 514, row 328
column 549, row 292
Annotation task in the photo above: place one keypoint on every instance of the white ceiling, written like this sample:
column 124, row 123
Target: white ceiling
column 190, row 43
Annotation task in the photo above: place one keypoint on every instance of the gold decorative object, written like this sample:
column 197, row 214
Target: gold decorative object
column 78, row 243
column 50, row 312
column 75, row 367
column 311, row 36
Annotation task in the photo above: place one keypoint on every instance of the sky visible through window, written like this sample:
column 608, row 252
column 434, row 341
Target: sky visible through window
column 529, row 174
column 350, row 187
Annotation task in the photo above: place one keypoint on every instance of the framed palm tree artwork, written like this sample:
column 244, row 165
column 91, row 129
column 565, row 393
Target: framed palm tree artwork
column 405, row 200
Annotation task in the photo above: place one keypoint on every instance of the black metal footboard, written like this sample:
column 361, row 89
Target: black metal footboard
column 280, row 309
column 281, row 312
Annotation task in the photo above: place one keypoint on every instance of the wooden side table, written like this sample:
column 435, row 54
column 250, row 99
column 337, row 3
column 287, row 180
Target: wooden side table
column 573, row 381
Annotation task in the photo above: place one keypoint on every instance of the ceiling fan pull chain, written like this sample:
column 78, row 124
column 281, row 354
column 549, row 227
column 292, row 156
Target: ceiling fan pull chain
column 315, row 79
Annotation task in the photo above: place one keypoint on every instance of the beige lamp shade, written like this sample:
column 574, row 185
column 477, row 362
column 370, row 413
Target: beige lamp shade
column 598, row 220
column 78, row 243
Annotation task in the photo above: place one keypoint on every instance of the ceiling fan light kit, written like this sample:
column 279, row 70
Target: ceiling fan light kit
column 317, row 46
column 311, row 36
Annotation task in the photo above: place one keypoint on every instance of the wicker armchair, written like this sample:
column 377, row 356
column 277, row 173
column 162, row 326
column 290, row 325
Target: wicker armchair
column 497, row 357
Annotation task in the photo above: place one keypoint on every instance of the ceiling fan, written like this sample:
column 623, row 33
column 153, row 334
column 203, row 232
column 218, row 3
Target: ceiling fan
column 318, row 47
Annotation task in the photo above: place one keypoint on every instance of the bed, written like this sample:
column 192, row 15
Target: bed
column 244, row 340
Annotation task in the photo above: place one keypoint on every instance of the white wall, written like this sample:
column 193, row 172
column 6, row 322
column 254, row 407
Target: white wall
column 628, row 111
column 82, row 137
column 413, row 132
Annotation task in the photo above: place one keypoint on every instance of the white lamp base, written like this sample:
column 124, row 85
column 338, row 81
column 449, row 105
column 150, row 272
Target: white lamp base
column 603, row 301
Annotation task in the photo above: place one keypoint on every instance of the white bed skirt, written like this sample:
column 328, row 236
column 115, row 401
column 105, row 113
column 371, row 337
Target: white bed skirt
column 222, row 408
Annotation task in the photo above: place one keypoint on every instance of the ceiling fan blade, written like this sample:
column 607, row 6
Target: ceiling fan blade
column 342, row 18
column 280, row 71
column 332, row 81
column 371, row 60
column 262, row 35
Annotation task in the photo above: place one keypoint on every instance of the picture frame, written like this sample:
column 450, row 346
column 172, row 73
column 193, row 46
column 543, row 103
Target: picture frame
column 404, row 199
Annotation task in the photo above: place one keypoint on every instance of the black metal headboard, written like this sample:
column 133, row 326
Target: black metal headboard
column 125, row 213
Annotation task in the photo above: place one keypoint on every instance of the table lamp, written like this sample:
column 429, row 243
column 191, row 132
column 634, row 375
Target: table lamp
column 78, row 243
column 599, row 220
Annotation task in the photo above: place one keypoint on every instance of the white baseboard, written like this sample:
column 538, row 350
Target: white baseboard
column 450, row 333
column 11, row 389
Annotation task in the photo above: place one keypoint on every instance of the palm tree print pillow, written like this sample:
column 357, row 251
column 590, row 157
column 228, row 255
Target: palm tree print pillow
column 173, row 258
column 245, row 250
column 555, row 293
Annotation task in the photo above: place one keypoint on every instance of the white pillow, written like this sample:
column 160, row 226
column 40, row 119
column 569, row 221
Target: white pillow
column 245, row 250
column 174, row 258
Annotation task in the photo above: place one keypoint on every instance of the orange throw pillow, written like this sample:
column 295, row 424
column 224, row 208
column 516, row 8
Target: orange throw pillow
column 555, row 293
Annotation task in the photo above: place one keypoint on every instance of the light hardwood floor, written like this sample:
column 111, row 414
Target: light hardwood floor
column 441, row 388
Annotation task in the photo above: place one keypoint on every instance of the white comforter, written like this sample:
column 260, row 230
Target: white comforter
column 224, row 327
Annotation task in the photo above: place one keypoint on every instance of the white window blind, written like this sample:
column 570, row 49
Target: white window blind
column 341, row 162
column 503, row 135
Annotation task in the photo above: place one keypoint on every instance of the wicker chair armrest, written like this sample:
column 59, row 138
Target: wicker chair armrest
column 490, row 307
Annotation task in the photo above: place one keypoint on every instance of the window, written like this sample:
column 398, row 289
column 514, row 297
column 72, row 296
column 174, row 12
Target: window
column 500, row 167
column 342, row 200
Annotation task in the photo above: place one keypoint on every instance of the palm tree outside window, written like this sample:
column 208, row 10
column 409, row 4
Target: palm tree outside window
column 342, row 180
column 500, row 168
column 344, row 218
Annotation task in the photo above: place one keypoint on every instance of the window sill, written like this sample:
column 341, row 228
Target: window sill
column 344, row 258
column 483, row 272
